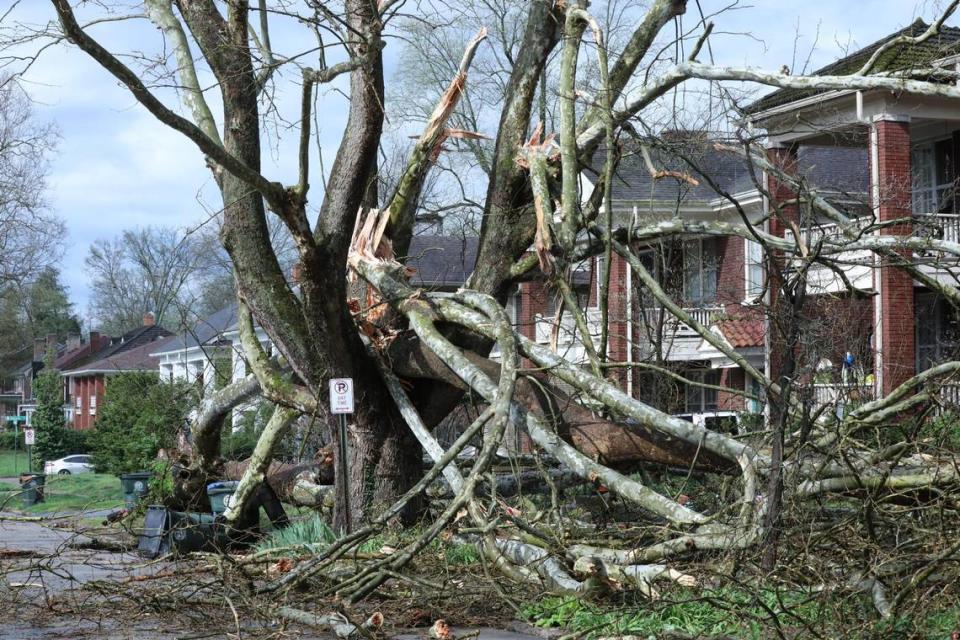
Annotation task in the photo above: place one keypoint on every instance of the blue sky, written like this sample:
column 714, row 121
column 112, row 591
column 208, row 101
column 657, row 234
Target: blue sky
column 117, row 168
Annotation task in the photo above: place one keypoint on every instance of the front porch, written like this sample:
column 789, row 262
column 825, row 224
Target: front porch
column 912, row 147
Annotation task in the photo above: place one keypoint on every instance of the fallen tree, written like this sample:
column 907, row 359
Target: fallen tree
column 415, row 354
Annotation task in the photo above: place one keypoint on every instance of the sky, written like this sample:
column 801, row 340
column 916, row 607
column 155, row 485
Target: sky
column 116, row 167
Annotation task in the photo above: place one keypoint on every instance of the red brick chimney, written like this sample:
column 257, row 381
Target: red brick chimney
column 149, row 319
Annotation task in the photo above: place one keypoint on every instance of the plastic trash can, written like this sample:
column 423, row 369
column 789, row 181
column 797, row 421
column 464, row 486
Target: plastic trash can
column 135, row 487
column 220, row 494
column 190, row 531
column 31, row 484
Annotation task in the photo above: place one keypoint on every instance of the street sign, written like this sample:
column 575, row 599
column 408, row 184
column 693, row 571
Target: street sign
column 29, row 436
column 341, row 395
column 16, row 418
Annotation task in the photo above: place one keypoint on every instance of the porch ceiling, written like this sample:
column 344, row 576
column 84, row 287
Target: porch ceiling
column 842, row 118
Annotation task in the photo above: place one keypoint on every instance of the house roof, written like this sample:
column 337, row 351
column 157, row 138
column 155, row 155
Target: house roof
column 743, row 330
column 135, row 338
column 904, row 57
column 840, row 169
column 204, row 331
column 442, row 261
column 136, row 358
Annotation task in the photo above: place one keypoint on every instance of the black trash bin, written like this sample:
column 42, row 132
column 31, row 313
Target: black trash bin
column 190, row 531
column 135, row 486
column 31, row 484
column 220, row 494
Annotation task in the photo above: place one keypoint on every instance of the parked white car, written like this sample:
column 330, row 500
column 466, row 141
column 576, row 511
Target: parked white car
column 70, row 464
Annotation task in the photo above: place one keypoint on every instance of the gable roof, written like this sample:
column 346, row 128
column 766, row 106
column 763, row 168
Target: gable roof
column 840, row 169
column 135, row 358
column 442, row 261
column 145, row 335
column 905, row 57
column 205, row 331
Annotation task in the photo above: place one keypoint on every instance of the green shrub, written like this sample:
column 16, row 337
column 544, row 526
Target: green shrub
column 943, row 431
column 312, row 530
column 53, row 439
column 139, row 416
column 7, row 440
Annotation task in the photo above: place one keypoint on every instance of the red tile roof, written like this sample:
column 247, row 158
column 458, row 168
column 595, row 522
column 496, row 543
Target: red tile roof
column 744, row 330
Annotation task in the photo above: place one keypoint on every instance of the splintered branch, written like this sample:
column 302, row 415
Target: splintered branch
column 401, row 209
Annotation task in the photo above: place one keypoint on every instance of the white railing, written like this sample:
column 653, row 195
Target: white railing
column 940, row 226
column 833, row 393
column 672, row 325
column 568, row 329
column 949, row 395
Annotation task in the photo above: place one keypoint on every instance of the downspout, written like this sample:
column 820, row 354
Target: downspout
column 877, row 280
column 767, row 297
column 630, row 320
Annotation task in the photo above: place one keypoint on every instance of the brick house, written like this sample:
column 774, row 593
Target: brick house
column 86, row 370
column 911, row 144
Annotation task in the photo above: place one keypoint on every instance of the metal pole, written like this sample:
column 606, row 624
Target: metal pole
column 16, row 447
column 344, row 473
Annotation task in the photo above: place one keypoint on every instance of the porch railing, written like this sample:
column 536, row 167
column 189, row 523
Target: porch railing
column 833, row 393
column 949, row 396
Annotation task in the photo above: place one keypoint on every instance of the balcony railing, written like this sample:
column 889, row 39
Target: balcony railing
column 672, row 325
column 941, row 226
column 568, row 329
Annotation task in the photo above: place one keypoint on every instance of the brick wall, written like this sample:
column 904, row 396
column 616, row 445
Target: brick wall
column 732, row 379
column 731, row 274
column 895, row 314
column 785, row 158
column 85, row 387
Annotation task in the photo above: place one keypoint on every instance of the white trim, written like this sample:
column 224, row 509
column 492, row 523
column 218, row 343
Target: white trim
column 890, row 117
column 877, row 280
column 755, row 118
column 747, row 298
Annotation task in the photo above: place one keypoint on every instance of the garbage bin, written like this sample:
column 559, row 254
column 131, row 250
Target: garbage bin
column 31, row 484
column 190, row 531
column 220, row 494
column 135, row 486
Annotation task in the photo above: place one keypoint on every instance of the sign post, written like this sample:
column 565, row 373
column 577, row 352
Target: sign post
column 16, row 420
column 29, row 438
column 341, row 404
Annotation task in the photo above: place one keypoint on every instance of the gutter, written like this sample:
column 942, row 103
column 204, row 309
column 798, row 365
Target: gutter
column 89, row 372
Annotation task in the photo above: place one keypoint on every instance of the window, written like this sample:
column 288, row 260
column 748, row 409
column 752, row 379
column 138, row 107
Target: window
column 753, row 263
column 79, row 403
column 700, row 272
column 93, row 405
column 700, row 399
column 934, row 176
column 755, row 389
column 938, row 333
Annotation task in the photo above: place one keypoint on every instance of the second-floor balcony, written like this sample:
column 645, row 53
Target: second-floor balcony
column 567, row 333
column 857, row 264
column 652, row 319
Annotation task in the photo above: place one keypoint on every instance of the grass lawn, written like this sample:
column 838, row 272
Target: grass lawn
column 79, row 492
column 10, row 466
